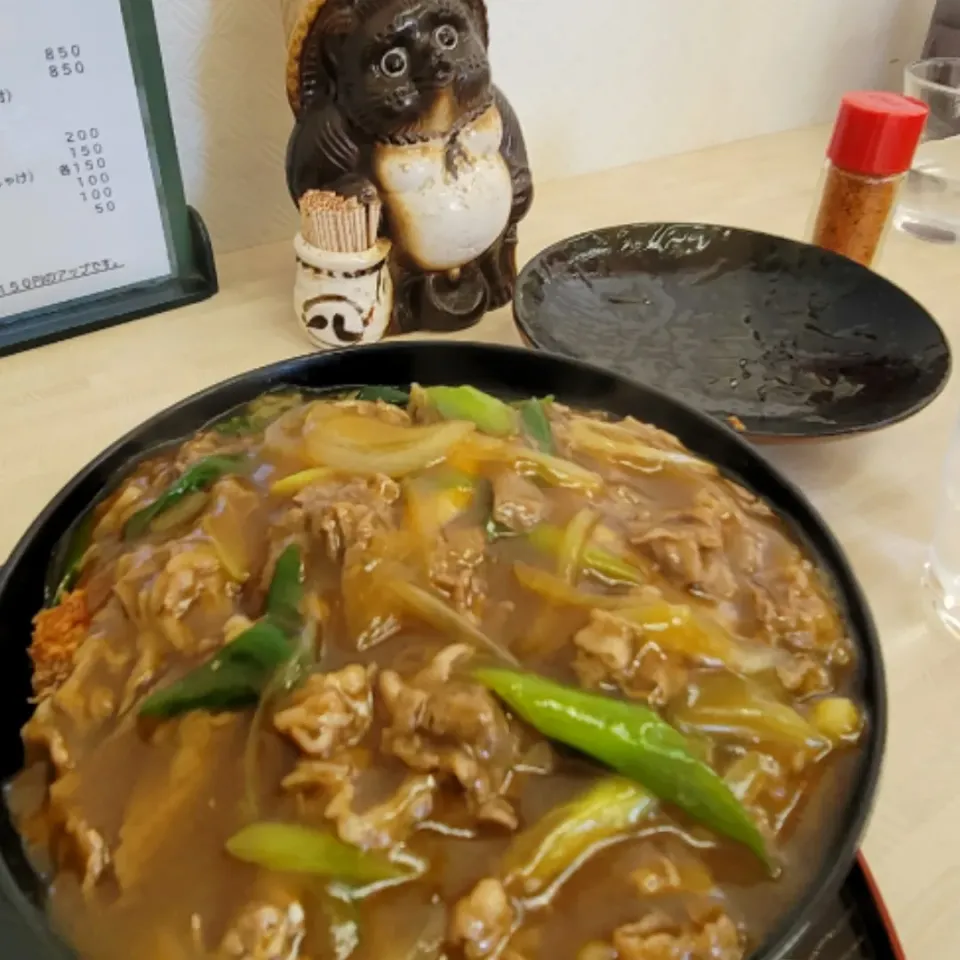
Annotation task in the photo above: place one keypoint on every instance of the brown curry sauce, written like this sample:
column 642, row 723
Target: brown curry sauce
column 135, row 814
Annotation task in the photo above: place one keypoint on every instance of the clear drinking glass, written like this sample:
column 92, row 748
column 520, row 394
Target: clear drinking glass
column 929, row 204
column 943, row 564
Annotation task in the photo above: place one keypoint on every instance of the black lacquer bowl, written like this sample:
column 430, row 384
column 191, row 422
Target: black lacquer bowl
column 24, row 933
column 788, row 339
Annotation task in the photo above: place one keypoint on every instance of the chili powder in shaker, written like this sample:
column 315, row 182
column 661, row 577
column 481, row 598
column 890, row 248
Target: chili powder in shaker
column 874, row 140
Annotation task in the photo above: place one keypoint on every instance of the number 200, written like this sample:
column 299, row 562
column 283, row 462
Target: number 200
column 75, row 136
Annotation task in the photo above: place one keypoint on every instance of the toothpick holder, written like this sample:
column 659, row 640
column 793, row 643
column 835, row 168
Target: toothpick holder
column 343, row 299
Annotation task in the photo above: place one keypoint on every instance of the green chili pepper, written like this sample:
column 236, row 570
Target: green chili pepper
column 542, row 854
column 634, row 741
column 232, row 679
column 492, row 416
column 68, row 565
column 290, row 848
column 536, row 424
column 200, row 476
column 392, row 395
column 550, row 539
column 285, row 597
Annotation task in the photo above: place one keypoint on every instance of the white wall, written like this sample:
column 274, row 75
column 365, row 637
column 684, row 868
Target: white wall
column 597, row 83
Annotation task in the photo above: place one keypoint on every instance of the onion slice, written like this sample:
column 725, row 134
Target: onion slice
column 614, row 443
column 444, row 619
column 355, row 444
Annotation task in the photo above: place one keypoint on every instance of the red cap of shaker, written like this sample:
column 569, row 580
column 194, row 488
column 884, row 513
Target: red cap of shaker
column 876, row 133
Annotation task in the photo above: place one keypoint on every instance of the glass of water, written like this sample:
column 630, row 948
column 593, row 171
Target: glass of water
column 930, row 200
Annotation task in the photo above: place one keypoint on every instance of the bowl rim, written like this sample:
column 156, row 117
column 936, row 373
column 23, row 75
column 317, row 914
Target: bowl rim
column 791, row 504
column 523, row 319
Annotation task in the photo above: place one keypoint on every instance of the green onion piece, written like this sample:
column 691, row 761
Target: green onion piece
column 492, row 416
column 610, row 810
column 392, row 395
column 258, row 414
column 231, row 680
column 549, row 539
column 241, row 425
column 285, row 598
column 75, row 546
column 497, row 531
column 290, row 848
column 200, row 476
column 269, row 652
column 536, row 424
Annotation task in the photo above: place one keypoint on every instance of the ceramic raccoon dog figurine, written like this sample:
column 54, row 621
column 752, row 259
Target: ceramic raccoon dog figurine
column 393, row 100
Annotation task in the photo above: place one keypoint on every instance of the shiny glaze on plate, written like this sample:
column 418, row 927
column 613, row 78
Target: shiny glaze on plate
column 791, row 340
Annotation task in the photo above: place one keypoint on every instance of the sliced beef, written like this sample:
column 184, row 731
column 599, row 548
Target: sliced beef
column 84, row 850
column 193, row 574
column 377, row 826
column 750, row 503
column 612, row 651
column 791, row 606
column 597, row 950
column 345, row 514
column 724, row 548
column 180, row 592
column 440, row 723
column 329, row 712
column 265, row 931
column 483, row 920
column 710, row 936
column 288, row 529
column 624, row 505
column 386, row 412
column 668, row 865
column 456, row 568
column 86, row 699
column 518, row 503
column 690, row 545
column 804, row 677
column 766, row 787
column 205, row 445
column 650, row 435
column 385, row 824
column 43, row 732
column 325, row 776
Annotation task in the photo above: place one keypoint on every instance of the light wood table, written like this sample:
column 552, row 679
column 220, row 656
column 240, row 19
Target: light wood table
column 61, row 404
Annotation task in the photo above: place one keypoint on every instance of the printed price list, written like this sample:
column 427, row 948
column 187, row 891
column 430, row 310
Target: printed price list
column 79, row 212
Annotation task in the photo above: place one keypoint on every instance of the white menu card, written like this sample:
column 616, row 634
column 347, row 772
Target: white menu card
column 79, row 207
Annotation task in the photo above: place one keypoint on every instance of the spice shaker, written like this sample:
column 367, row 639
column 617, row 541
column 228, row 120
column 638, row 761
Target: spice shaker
column 874, row 139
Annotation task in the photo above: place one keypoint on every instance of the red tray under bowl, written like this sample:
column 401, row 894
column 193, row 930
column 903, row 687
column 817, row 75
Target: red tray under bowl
column 854, row 926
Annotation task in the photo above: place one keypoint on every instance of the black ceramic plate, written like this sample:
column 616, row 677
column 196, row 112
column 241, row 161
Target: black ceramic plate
column 509, row 371
column 790, row 340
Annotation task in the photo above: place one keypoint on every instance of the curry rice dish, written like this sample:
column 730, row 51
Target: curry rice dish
column 425, row 674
